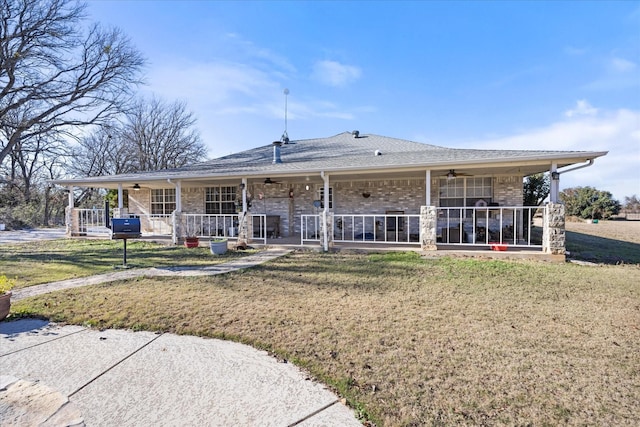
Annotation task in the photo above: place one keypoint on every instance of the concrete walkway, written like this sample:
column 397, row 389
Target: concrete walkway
column 31, row 235
column 54, row 375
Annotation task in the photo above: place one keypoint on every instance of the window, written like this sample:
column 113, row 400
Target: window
column 465, row 191
column 163, row 201
column 330, row 197
column 451, row 192
column 220, row 200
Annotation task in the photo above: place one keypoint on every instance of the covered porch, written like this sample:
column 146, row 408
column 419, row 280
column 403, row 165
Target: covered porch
column 477, row 208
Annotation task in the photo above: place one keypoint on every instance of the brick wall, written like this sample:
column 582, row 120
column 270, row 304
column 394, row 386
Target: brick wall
column 406, row 195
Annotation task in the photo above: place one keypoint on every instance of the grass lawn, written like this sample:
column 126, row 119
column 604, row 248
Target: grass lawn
column 609, row 242
column 52, row 260
column 410, row 341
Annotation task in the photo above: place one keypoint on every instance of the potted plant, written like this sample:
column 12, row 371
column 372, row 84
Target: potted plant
column 218, row 246
column 191, row 240
column 5, row 296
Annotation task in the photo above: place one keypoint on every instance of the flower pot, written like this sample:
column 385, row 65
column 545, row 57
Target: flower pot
column 5, row 304
column 191, row 242
column 218, row 247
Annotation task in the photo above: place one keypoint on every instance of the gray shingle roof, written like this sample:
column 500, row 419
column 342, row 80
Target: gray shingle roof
column 344, row 152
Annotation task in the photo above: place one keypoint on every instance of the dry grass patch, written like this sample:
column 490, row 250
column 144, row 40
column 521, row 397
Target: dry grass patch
column 52, row 260
column 611, row 242
column 411, row 341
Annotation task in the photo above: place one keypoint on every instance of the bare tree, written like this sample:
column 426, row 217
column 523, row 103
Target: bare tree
column 162, row 135
column 52, row 76
column 103, row 152
column 155, row 135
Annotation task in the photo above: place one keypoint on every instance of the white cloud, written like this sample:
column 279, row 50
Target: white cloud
column 619, row 74
column 617, row 132
column 332, row 73
column 583, row 108
column 622, row 65
column 575, row 51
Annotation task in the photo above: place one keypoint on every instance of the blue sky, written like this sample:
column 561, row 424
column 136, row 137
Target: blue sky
column 518, row 75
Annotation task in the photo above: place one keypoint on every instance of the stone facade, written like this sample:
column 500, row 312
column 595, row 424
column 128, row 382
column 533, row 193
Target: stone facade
column 328, row 224
column 428, row 228
column 553, row 237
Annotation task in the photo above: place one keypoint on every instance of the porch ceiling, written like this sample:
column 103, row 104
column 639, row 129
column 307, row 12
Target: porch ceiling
column 315, row 178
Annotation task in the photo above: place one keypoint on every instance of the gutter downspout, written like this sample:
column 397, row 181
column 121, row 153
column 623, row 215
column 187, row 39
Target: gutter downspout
column 325, row 211
column 174, row 232
column 555, row 179
column 591, row 161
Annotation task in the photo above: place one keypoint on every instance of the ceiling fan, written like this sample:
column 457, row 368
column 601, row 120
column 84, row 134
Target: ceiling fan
column 269, row 181
column 453, row 174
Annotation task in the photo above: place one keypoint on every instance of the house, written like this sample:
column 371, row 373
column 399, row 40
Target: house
column 351, row 187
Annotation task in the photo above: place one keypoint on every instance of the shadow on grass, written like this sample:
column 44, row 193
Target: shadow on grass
column 586, row 247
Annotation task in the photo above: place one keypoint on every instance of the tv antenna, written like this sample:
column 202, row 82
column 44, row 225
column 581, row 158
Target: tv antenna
column 285, row 136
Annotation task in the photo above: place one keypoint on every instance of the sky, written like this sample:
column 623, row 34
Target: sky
column 519, row 75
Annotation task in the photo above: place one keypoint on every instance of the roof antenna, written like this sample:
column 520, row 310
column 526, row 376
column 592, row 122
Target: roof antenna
column 285, row 136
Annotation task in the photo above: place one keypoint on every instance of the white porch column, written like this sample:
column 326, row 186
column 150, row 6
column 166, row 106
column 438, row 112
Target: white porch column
column 179, row 196
column 428, row 187
column 325, row 212
column 244, row 195
column 555, row 184
column 120, row 196
column 70, row 199
column 69, row 213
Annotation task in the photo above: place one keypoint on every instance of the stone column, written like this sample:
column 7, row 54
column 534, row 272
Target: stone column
column 245, row 228
column 326, row 221
column 428, row 225
column 176, row 219
column 553, row 233
column 68, row 214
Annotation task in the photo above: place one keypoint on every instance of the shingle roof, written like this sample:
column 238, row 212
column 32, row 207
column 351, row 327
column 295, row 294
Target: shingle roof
column 344, row 152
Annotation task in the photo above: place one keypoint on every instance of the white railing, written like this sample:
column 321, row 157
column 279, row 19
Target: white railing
column 352, row 228
column 155, row 225
column 222, row 225
column 510, row 225
column 394, row 228
column 204, row 225
column 259, row 227
column 309, row 228
column 91, row 221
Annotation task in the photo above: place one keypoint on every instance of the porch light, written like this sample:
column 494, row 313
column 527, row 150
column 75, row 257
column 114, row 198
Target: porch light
column 306, row 187
column 136, row 187
column 366, row 194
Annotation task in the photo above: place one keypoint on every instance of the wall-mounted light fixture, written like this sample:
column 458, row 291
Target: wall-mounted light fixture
column 366, row 194
column 555, row 176
column 136, row 187
column 242, row 186
column 306, row 187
